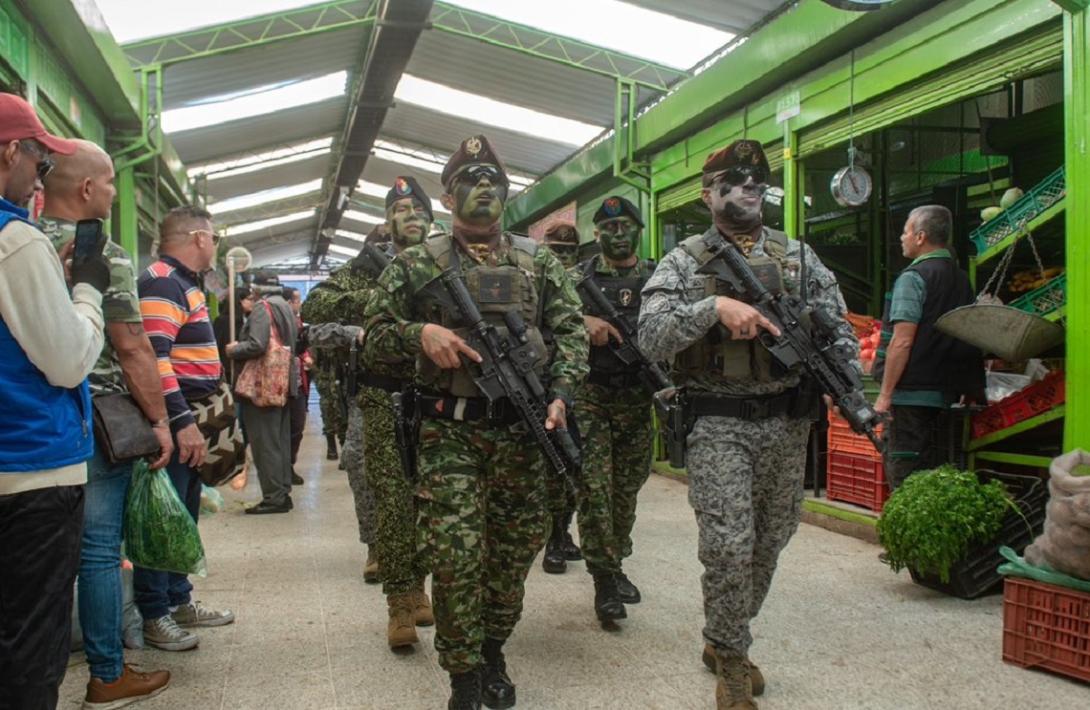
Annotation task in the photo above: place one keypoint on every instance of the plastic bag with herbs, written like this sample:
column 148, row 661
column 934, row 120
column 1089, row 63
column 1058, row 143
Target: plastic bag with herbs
column 159, row 531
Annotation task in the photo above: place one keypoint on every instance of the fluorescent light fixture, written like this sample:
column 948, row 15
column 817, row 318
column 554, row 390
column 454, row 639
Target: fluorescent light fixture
column 262, row 161
column 347, row 251
column 373, row 189
column 258, row 198
column 258, row 225
column 354, row 236
column 612, row 24
column 455, row 102
column 421, row 160
column 365, row 217
column 260, row 101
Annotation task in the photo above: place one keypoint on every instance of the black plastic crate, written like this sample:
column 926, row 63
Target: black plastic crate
column 976, row 575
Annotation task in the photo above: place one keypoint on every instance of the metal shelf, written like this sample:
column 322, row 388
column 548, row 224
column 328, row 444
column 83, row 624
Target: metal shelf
column 1022, row 426
column 1016, row 459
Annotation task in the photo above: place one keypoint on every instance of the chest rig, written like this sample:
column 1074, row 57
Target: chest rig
column 510, row 286
column 624, row 293
column 716, row 353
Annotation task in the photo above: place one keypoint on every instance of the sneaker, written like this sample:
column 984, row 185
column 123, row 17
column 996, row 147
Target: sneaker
column 194, row 614
column 164, row 633
column 132, row 687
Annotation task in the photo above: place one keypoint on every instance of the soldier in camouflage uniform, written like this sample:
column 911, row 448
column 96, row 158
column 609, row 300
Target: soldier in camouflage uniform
column 562, row 240
column 747, row 448
column 340, row 299
column 482, row 480
column 408, row 218
column 316, row 309
column 614, row 409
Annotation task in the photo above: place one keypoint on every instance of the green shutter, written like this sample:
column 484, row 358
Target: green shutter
column 986, row 71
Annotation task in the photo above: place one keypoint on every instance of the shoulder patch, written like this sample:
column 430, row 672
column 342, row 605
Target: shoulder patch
column 523, row 244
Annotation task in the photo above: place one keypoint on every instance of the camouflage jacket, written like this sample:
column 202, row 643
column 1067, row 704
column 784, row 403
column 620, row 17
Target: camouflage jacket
column 394, row 319
column 120, row 303
column 676, row 313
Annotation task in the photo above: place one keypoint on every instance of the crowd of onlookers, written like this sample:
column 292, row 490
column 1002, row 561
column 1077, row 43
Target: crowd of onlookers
column 101, row 367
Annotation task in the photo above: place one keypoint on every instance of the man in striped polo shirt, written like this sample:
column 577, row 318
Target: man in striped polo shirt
column 176, row 319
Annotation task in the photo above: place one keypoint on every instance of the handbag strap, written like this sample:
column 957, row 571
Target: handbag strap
column 274, row 331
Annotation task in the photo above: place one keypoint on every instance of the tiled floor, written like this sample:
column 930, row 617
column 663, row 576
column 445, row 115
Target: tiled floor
column 839, row 630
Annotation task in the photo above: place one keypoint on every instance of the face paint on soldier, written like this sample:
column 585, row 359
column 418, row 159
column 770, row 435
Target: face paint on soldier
column 477, row 195
column 734, row 198
column 619, row 238
column 407, row 220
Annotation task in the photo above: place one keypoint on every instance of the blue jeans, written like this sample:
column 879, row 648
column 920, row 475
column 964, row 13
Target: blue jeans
column 100, row 566
column 154, row 591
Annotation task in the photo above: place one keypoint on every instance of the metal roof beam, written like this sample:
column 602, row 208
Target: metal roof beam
column 398, row 25
column 250, row 32
column 555, row 48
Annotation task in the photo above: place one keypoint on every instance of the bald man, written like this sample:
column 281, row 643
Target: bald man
column 81, row 186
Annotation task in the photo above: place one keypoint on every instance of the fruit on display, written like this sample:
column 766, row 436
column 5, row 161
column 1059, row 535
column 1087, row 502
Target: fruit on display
column 1010, row 197
column 989, row 213
column 1030, row 279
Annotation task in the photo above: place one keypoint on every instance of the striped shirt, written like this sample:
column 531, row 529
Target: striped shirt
column 176, row 320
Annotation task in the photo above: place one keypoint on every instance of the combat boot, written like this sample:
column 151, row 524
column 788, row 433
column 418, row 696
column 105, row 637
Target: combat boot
column 422, row 612
column 465, row 691
column 570, row 550
column 331, row 447
column 735, row 688
column 371, row 572
column 607, row 606
column 757, row 679
column 497, row 691
column 627, row 591
column 401, row 631
column 554, row 561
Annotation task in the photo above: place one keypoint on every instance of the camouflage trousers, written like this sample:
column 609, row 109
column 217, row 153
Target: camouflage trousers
column 333, row 421
column 616, row 428
column 402, row 565
column 745, row 485
column 352, row 455
column 482, row 521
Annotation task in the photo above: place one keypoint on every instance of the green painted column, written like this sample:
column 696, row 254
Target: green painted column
column 125, row 214
column 1077, row 161
column 793, row 186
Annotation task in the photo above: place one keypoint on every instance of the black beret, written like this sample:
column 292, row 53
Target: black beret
column 474, row 150
column 741, row 153
column 407, row 186
column 617, row 206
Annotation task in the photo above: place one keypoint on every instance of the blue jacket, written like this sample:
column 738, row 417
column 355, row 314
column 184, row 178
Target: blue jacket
column 42, row 427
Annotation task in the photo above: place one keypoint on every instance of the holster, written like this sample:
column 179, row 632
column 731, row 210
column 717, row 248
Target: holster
column 676, row 420
column 407, row 430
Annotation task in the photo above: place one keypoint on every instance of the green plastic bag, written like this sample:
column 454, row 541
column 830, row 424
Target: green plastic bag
column 1018, row 567
column 159, row 531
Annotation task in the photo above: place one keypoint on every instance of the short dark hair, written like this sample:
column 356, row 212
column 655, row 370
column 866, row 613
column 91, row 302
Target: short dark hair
column 289, row 292
column 935, row 221
column 181, row 216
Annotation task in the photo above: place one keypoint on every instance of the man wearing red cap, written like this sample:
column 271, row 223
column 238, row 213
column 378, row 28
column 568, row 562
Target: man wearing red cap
column 747, row 446
column 49, row 342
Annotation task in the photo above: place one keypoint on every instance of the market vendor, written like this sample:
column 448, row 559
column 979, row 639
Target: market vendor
column 922, row 370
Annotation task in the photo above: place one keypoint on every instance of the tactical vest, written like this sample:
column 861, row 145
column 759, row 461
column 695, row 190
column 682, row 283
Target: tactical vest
column 716, row 352
column 624, row 294
column 496, row 290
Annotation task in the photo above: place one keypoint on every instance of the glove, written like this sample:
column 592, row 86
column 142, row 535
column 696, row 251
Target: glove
column 94, row 272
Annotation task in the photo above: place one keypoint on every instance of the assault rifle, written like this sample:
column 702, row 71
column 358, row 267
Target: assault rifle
column 507, row 371
column 373, row 260
column 829, row 364
column 652, row 374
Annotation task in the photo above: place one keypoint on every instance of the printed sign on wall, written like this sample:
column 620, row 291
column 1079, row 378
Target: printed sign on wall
column 565, row 215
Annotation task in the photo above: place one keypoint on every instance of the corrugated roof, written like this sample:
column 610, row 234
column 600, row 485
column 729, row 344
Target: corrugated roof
column 281, row 233
column 268, row 178
column 734, row 16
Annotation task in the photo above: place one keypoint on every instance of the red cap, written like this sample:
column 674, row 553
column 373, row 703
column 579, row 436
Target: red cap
column 19, row 122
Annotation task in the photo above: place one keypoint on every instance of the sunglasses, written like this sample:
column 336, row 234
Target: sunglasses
column 739, row 175
column 45, row 163
column 475, row 173
column 215, row 237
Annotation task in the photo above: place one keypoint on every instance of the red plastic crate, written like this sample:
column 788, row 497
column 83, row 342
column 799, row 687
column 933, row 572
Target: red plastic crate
column 1045, row 626
column 843, row 439
column 1020, row 406
column 857, row 478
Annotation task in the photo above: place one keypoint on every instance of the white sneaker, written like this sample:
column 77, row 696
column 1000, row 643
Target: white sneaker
column 165, row 634
column 195, row 614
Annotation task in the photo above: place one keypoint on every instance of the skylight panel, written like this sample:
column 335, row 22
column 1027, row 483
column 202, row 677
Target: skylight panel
column 620, row 26
column 347, row 251
column 455, row 102
column 156, row 18
column 421, row 160
column 258, row 225
column 354, row 236
column 260, row 161
column 264, row 100
column 253, row 199
column 364, row 217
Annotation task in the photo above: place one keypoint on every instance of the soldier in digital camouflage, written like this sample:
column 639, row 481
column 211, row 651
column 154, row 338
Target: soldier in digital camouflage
column 482, row 479
column 614, row 409
column 747, row 448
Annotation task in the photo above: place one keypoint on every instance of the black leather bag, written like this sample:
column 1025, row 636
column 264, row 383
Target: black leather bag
column 121, row 429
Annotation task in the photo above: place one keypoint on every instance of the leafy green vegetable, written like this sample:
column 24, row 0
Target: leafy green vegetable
column 930, row 522
column 159, row 531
